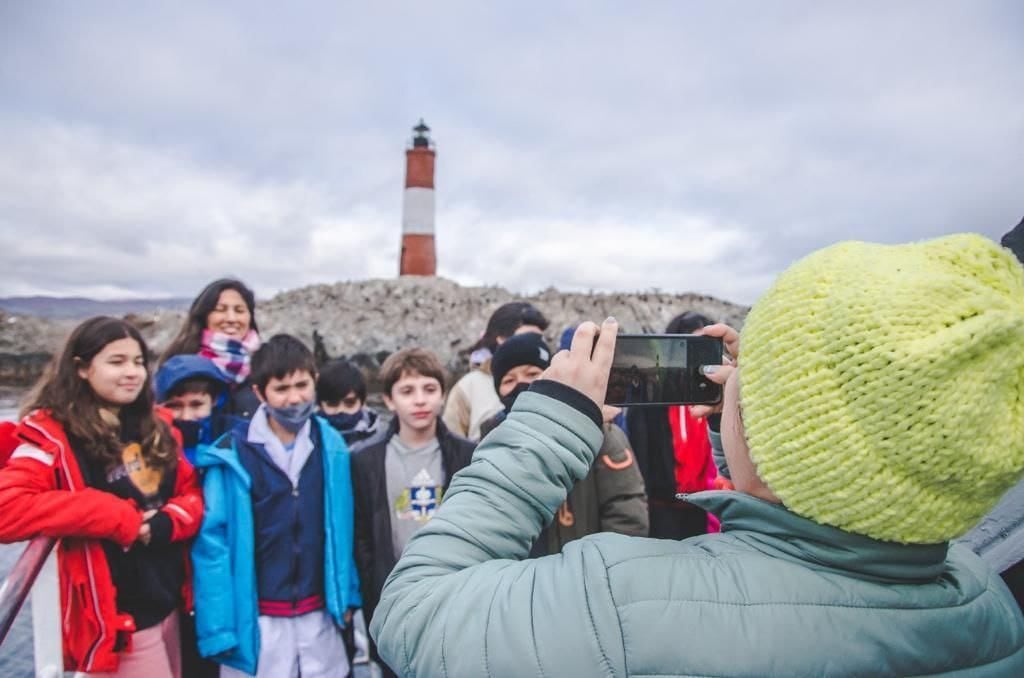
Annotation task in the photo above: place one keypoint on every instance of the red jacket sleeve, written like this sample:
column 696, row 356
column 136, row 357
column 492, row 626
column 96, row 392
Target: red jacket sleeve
column 185, row 508
column 8, row 441
column 31, row 504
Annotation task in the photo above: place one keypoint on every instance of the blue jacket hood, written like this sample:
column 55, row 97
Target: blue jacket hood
column 186, row 366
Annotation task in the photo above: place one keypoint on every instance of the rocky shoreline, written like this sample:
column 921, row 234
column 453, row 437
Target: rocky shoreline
column 369, row 319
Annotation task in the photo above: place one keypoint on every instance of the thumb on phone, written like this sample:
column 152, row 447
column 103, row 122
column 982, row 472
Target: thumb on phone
column 717, row 373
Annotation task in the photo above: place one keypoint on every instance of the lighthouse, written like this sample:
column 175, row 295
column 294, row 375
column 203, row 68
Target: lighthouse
column 418, row 253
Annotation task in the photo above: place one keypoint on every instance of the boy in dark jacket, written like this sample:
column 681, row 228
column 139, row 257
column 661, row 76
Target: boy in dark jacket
column 341, row 394
column 611, row 497
column 400, row 480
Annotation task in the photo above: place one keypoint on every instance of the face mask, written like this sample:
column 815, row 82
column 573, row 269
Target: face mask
column 293, row 417
column 509, row 400
column 344, row 421
column 190, row 432
column 193, row 432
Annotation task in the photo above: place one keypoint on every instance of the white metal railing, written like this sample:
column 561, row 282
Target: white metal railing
column 36, row 572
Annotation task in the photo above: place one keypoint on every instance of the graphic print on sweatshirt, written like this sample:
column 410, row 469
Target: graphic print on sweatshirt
column 134, row 469
column 419, row 501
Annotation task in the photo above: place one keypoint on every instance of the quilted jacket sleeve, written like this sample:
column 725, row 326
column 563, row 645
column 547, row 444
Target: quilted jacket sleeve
column 461, row 602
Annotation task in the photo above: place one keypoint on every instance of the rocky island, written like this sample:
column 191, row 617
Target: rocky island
column 369, row 319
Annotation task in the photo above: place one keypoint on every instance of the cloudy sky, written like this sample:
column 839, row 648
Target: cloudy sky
column 146, row 148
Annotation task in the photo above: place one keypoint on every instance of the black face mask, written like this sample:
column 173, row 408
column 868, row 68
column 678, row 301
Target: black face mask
column 191, row 431
column 509, row 400
column 344, row 421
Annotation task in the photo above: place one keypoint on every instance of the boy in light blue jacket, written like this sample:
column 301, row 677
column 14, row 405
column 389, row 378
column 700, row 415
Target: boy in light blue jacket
column 275, row 580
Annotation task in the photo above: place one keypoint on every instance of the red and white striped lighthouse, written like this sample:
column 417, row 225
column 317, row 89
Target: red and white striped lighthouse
column 418, row 253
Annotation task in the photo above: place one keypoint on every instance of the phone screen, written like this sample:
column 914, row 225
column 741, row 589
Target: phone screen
column 663, row 369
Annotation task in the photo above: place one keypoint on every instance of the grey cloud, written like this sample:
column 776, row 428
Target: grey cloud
column 785, row 126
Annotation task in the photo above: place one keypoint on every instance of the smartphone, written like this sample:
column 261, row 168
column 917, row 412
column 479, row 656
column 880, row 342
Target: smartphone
column 663, row 369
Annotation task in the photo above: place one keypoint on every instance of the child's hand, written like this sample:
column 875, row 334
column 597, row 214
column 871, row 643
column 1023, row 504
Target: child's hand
column 145, row 533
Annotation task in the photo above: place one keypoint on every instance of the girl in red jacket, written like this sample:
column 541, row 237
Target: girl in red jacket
column 98, row 466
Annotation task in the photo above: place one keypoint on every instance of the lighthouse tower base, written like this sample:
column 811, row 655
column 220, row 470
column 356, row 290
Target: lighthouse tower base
column 418, row 255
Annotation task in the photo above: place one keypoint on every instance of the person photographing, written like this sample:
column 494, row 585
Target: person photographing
column 906, row 367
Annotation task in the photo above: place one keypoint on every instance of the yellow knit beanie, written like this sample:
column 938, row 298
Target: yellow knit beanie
column 882, row 386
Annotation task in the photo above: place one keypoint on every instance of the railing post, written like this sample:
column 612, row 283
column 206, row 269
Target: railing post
column 46, row 622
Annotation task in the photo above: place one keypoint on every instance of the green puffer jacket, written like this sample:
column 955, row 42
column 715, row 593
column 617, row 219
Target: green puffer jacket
column 773, row 595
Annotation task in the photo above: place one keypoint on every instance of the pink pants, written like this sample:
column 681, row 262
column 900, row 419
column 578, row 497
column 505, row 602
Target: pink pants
column 155, row 653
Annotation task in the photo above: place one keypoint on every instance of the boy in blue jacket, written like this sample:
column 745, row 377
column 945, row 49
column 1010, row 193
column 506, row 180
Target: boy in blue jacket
column 275, row 580
column 194, row 390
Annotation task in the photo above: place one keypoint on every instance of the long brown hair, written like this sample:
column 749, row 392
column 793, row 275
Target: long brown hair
column 73, row 404
column 190, row 335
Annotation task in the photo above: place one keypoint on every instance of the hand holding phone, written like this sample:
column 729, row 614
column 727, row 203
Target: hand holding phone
column 585, row 366
column 731, row 340
column 663, row 370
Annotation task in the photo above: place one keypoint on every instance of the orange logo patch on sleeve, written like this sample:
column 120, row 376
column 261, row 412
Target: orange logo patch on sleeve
column 618, row 465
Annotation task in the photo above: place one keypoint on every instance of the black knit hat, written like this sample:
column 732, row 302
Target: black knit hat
column 522, row 349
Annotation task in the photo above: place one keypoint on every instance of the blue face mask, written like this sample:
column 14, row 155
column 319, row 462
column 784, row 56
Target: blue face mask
column 293, row 417
column 344, row 421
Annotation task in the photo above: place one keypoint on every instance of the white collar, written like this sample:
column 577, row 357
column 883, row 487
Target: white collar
column 289, row 462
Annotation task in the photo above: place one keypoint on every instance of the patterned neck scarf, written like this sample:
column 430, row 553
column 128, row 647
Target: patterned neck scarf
column 230, row 355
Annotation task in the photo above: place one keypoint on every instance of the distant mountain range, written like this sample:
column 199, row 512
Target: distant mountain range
column 80, row 307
